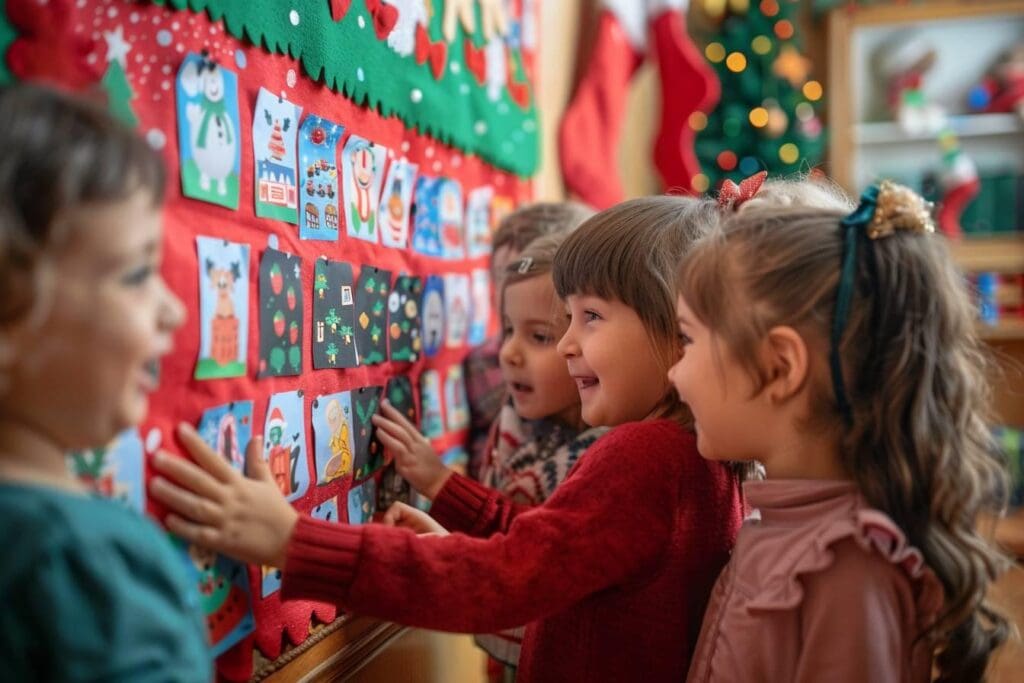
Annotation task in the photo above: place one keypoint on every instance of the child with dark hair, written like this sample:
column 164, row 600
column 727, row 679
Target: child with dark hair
column 91, row 591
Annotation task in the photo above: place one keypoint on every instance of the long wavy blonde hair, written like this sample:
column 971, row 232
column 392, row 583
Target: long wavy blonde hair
column 919, row 444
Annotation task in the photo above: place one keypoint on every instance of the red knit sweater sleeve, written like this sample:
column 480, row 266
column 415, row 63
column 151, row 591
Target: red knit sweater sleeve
column 472, row 508
column 603, row 526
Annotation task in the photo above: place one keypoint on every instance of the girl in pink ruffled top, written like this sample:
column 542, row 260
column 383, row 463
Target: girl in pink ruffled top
column 840, row 352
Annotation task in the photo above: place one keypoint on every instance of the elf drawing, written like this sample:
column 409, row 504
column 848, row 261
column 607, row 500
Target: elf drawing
column 364, row 171
column 282, row 459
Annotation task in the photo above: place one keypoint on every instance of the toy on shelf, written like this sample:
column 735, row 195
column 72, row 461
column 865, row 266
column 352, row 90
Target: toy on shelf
column 903, row 63
column 1002, row 88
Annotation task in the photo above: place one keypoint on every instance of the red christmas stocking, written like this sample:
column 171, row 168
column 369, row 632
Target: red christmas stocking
column 960, row 185
column 588, row 137
column 688, row 85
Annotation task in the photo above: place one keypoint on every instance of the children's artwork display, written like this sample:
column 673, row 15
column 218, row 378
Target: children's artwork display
column 480, row 316
column 280, row 292
column 334, row 315
column 369, row 452
column 318, row 179
column 275, row 128
column 333, row 427
column 114, row 471
column 478, row 221
column 227, row 429
column 396, row 203
column 372, row 315
column 433, row 315
column 223, row 308
column 456, row 304
column 284, row 444
column 431, row 419
column 362, row 166
column 331, row 142
column 455, row 402
column 208, row 130
column 362, row 501
column 404, row 343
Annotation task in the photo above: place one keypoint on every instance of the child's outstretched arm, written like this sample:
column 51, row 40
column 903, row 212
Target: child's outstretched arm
column 415, row 460
column 217, row 507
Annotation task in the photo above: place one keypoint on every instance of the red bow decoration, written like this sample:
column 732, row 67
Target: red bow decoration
column 384, row 17
column 437, row 52
column 733, row 196
column 476, row 61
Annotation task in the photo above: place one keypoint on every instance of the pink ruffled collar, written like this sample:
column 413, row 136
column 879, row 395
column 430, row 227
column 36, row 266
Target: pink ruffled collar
column 822, row 513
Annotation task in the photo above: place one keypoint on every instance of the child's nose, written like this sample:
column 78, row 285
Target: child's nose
column 172, row 309
column 567, row 346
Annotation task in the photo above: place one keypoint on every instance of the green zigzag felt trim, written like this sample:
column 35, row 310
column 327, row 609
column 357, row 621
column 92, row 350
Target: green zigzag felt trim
column 455, row 110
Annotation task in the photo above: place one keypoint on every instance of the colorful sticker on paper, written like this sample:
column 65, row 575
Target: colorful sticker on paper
column 404, row 342
column 456, row 295
column 332, row 433
column 433, row 315
column 318, row 179
column 227, row 429
column 426, row 236
column 208, row 130
column 280, row 288
column 369, row 453
column 334, row 315
column 449, row 200
column 501, row 206
column 431, row 421
column 223, row 308
column 456, row 458
column 223, row 586
column 455, row 402
column 396, row 202
column 275, row 127
column 361, row 502
column 393, row 488
column 481, row 308
column 362, row 166
column 114, row 471
column 372, row 315
column 284, row 444
column 478, row 221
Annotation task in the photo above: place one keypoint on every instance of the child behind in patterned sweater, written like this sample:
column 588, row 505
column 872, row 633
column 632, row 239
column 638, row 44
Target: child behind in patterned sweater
column 538, row 435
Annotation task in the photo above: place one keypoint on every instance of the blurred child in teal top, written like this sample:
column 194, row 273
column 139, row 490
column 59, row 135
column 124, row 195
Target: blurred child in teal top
column 90, row 590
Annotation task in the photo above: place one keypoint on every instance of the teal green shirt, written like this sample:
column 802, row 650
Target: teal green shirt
column 92, row 591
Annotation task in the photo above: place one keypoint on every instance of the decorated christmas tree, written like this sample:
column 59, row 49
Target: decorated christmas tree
column 119, row 93
column 767, row 118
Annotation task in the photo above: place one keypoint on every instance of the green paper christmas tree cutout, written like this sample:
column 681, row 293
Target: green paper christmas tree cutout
column 119, row 94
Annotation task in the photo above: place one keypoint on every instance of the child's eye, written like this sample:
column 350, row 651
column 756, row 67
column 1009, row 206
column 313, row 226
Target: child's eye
column 541, row 338
column 590, row 316
column 506, row 331
column 684, row 339
column 138, row 276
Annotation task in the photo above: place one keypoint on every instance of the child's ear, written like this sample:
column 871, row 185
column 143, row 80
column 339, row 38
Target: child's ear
column 786, row 360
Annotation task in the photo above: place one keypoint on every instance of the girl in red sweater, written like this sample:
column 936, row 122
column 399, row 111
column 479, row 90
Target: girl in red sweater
column 612, row 572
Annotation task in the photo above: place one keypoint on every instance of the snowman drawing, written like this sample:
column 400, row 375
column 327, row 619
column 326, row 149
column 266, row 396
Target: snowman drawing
column 212, row 135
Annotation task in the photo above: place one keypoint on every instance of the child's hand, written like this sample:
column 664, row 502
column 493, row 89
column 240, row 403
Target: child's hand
column 217, row 507
column 408, row 517
column 415, row 460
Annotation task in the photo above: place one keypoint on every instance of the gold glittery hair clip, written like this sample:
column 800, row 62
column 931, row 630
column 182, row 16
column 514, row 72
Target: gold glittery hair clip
column 897, row 207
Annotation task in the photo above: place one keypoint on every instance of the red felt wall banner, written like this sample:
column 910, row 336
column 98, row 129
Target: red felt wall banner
column 152, row 42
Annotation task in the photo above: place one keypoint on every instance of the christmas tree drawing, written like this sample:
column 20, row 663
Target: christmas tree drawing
column 119, row 93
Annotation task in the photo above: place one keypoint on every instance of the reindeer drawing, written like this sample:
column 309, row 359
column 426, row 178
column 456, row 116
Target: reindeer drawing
column 224, row 323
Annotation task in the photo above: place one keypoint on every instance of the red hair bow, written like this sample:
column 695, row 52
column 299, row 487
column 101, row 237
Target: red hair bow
column 733, row 196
